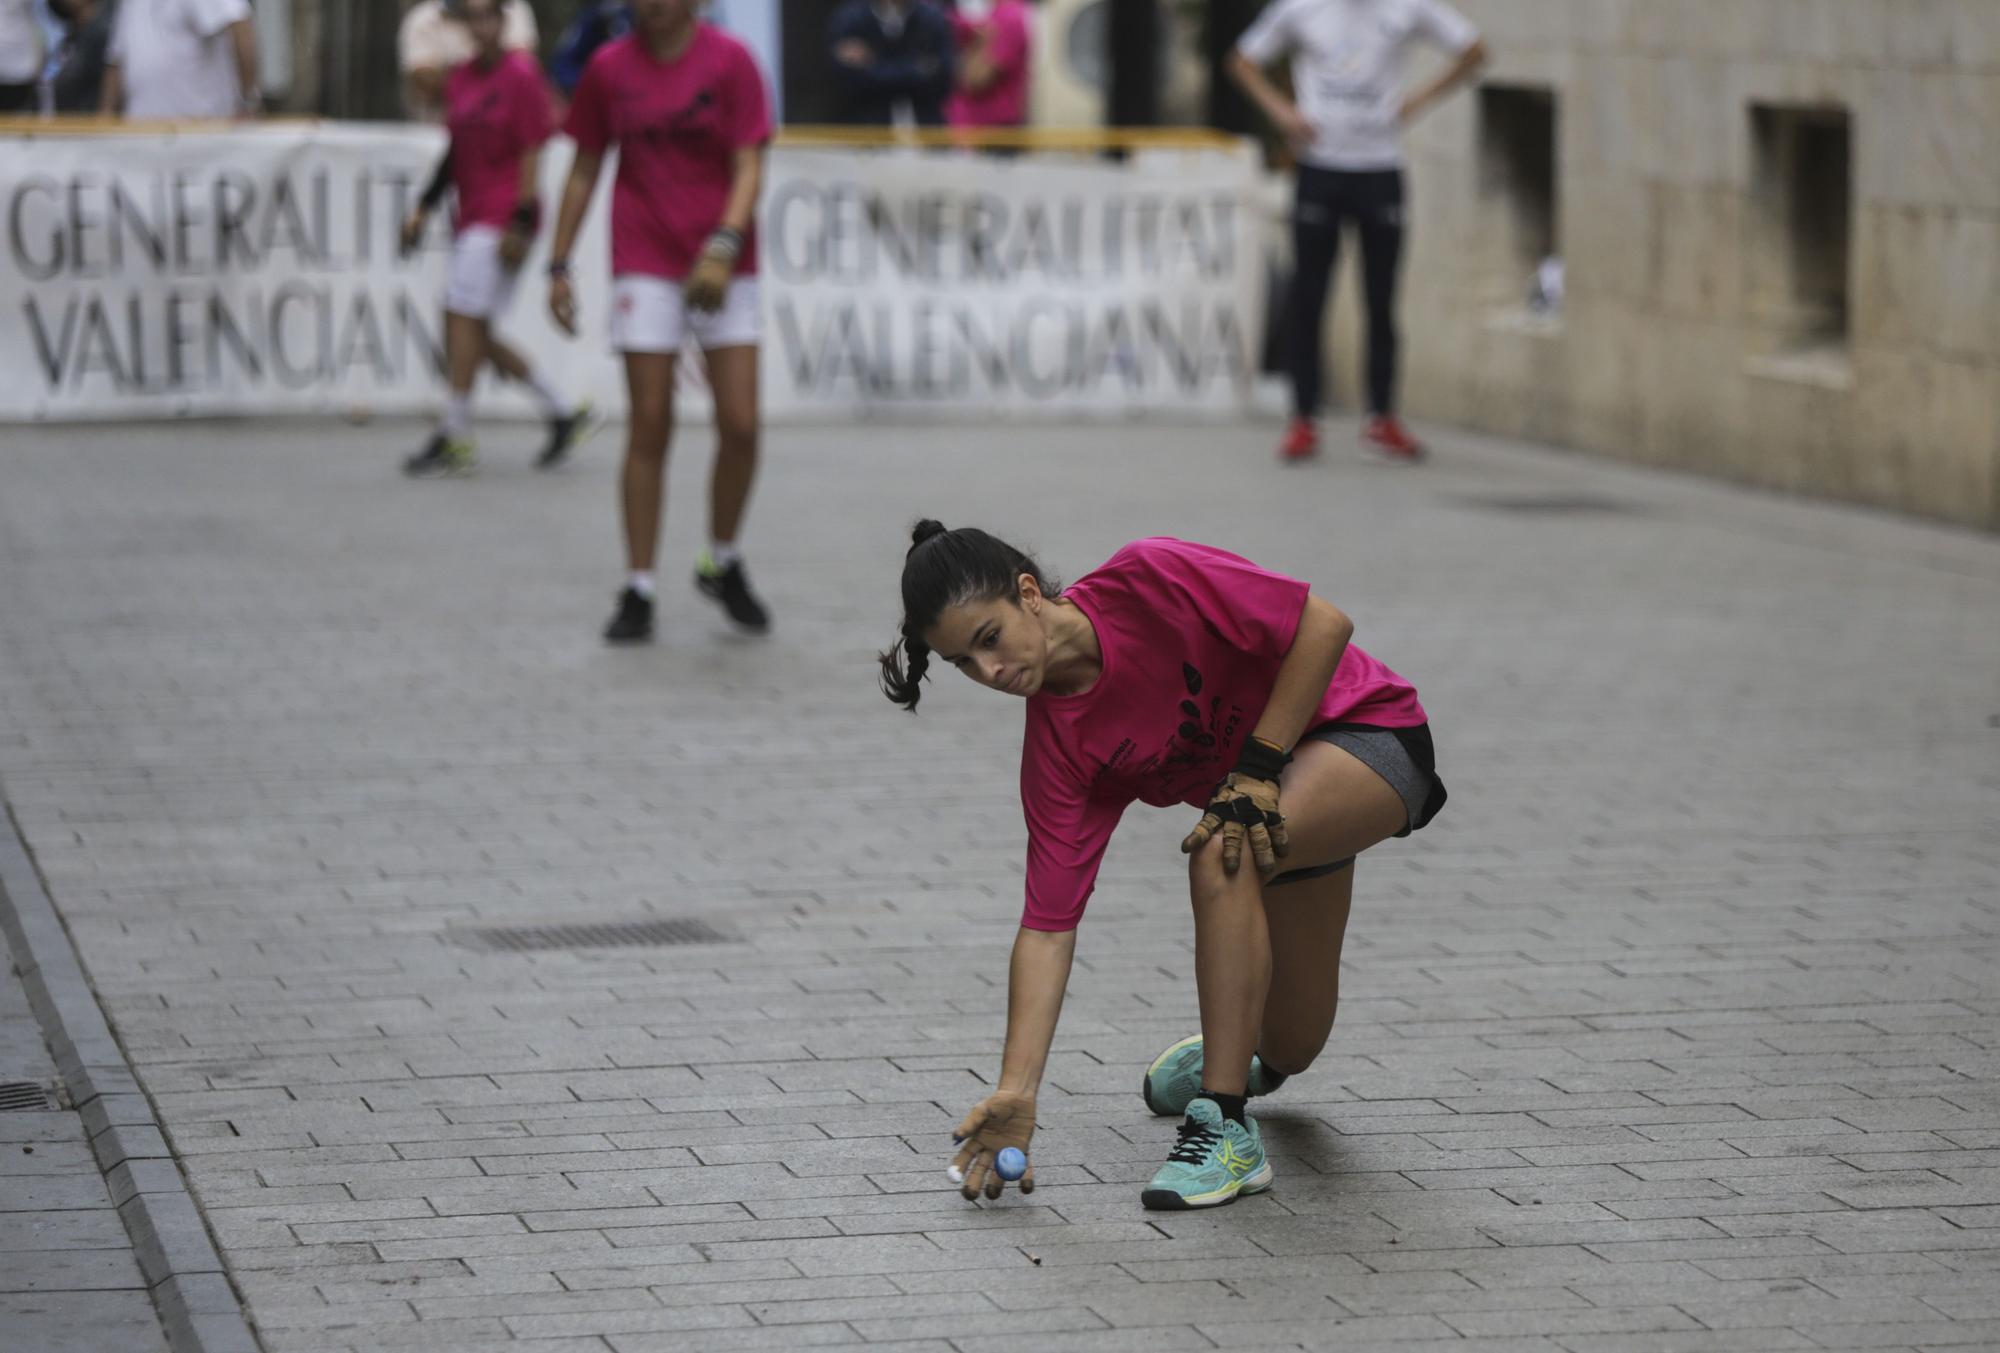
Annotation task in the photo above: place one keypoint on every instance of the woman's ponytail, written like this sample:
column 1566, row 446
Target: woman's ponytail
column 903, row 668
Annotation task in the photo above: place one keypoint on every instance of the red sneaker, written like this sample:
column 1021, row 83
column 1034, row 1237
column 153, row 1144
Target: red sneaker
column 1301, row 440
column 1385, row 433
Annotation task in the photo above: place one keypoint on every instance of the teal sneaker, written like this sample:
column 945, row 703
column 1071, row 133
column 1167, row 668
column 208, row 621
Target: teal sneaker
column 1174, row 1079
column 1215, row 1159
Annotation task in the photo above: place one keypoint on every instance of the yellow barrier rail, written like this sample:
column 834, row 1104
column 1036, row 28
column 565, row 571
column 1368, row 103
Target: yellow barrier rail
column 1085, row 140
column 28, row 127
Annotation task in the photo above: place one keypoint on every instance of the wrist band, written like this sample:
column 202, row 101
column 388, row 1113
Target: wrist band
column 1264, row 760
column 559, row 267
column 725, row 243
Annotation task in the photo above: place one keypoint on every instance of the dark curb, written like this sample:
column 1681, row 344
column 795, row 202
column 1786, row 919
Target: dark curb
column 198, row 1307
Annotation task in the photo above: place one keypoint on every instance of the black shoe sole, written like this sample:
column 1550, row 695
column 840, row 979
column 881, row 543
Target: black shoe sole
column 745, row 626
column 1166, row 1200
column 645, row 638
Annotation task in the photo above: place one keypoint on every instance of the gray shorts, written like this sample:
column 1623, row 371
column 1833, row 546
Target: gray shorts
column 1401, row 756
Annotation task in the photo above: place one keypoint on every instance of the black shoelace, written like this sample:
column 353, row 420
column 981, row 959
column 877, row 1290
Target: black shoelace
column 1196, row 1141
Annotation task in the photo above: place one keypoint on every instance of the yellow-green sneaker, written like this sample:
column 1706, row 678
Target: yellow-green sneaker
column 1216, row 1159
column 566, row 432
column 1174, row 1078
column 441, row 455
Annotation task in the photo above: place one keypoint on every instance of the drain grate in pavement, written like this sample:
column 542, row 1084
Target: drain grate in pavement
column 1549, row 504
column 22, row 1097
column 606, row 935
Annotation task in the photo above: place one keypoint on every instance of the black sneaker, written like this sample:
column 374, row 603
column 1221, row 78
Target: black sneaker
column 441, row 455
column 731, row 587
column 634, row 622
column 565, row 433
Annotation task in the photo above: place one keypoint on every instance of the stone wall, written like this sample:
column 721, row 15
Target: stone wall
column 1724, row 313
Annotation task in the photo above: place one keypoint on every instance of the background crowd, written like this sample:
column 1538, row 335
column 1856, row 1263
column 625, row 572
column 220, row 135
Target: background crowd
column 897, row 62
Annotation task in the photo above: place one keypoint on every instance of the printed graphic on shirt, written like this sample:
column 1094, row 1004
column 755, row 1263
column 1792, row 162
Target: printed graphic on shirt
column 700, row 116
column 1194, row 746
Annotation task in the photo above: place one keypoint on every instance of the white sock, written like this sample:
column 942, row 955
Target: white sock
column 457, row 418
column 553, row 404
column 723, row 552
column 641, row 582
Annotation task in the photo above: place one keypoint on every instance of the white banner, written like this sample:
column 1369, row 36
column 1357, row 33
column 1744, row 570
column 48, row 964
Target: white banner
column 968, row 283
column 255, row 271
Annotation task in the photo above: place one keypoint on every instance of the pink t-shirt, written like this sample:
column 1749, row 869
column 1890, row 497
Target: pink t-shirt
column 495, row 117
column 1004, row 103
column 678, row 125
column 1192, row 639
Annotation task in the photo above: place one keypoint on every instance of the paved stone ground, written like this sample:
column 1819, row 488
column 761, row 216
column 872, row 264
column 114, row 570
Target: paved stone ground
column 69, row 1282
column 1677, row 1032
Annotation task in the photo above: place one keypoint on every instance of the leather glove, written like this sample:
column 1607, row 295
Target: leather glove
column 1244, row 805
column 412, row 233
column 514, row 247
column 562, row 298
column 519, row 235
column 708, row 283
column 1002, row 1119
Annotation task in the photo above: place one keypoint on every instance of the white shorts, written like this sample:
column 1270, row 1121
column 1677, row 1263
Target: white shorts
column 648, row 315
column 476, row 283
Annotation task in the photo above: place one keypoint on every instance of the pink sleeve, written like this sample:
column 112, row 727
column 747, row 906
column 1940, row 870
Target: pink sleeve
column 1250, row 608
column 588, row 125
column 749, row 110
column 1009, row 49
column 534, row 118
column 1067, row 834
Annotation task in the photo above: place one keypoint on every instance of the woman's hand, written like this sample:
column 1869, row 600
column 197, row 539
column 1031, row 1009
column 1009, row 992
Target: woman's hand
column 1002, row 1119
column 514, row 242
column 1243, row 806
column 1246, row 804
column 562, row 303
column 707, row 284
column 413, row 230
column 1295, row 127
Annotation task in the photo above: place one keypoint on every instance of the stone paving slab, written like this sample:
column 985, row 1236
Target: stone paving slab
column 1678, row 1031
column 69, row 1280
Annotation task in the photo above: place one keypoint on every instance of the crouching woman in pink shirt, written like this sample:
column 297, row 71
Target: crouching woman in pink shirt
column 1176, row 674
column 684, row 103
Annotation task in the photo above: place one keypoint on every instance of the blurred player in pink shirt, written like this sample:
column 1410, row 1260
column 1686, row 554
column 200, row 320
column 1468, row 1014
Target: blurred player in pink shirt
column 993, row 48
column 685, row 104
column 498, row 113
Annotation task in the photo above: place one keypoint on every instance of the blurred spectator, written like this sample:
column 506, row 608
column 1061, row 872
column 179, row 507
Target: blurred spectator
column 20, row 56
column 993, row 43
column 1346, row 130
column 434, row 39
column 182, row 59
column 598, row 24
column 78, row 85
column 894, row 62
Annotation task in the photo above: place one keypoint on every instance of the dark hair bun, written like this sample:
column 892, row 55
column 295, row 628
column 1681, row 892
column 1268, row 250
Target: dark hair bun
column 924, row 530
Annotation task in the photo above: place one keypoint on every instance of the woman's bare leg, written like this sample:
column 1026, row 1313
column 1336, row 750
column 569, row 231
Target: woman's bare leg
column 649, row 383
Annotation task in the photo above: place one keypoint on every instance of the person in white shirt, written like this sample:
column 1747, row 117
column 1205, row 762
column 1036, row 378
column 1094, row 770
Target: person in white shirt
column 182, row 59
column 21, row 55
column 433, row 40
column 1345, row 130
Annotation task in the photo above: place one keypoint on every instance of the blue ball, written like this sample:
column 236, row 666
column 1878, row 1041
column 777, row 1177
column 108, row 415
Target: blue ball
column 1010, row 1163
